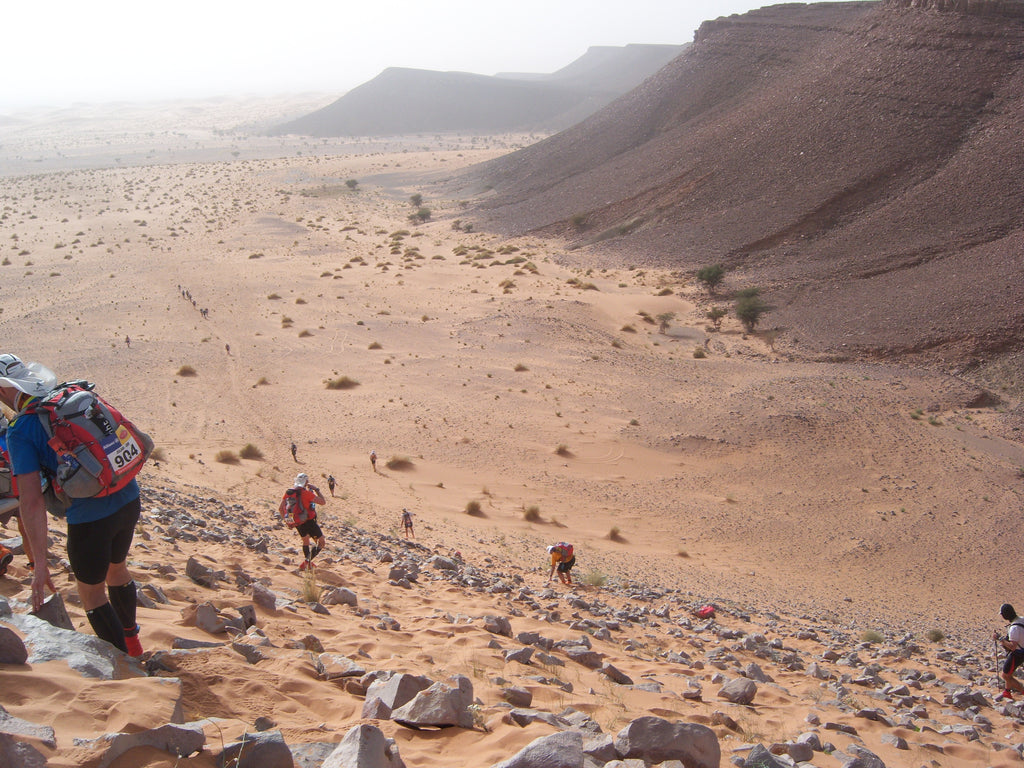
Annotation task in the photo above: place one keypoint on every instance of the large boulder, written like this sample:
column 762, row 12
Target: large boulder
column 738, row 691
column 258, row 750
column 12, row 647
column 440, row 706
column 558, row 750
column 19, row 754
column 655, row 740
column 385, row 696
column 365, row 746
column 177, row 740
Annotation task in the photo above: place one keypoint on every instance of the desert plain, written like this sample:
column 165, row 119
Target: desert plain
column 517, row 393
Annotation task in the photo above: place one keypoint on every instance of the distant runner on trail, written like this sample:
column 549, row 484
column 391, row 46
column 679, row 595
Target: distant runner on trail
column 330, row 483
column 298, row 508
column 295, row 449
column 407, row 523
column 373, row 460
column 562, row 560
column 1014, row 643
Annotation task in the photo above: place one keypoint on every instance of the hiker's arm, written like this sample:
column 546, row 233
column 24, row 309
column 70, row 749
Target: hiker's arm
column 33, row 517
column 317, row 494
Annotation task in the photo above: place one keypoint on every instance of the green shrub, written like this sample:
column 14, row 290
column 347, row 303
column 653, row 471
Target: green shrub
column 871, row 636
column 342, row 382
column 250, row 451
column 749, row 310
column 711, row 275
column 226, row 457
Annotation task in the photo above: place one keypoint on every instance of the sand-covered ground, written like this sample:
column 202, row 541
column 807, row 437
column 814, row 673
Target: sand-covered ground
column 504, row 372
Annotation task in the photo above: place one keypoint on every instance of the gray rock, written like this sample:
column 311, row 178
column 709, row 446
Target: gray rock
column 862, row 758
column 19, row 754
column 599, row 746
column 201, row 574
column 54, row 612
column 523, row 717
column 443, row 563
column 893, row 740
column 614, row 674
column 801, row 752
column 258, row 750
column 86, row 654
column 439, row 706
column 331, row 666
column 754, row 672
column 177, row 740
column 386, row 695
column 12, row 647
column 516, row 696
column 263, row 597
column 588, row 658
column 365, row 746
column 311, row 755
column 738, row 691
column 339, row 596
column 15, row 726
column 656, row 740
column 499, row 625
column 558, row 750
column 760, row 757
column 521, row 655
column 811, row 739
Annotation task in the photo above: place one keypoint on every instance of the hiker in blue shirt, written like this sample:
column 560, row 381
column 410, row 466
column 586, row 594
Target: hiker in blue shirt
column 100, row 528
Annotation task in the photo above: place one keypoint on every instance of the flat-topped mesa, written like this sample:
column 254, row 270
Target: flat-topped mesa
column 1014, row 8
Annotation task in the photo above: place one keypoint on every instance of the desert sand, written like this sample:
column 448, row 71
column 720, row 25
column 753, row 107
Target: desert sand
column 810, row 502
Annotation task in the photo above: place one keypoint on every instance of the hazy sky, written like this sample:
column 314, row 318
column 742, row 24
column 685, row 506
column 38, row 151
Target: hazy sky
column 57, row 52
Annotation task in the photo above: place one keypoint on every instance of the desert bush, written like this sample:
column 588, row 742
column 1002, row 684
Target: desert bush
column 711, row 275
column 416, row 200
column 305, row 334
column 311, row 591
column 628, row 329
column 226, row 457
column 749, row 310
column 664, row 292
column 665, row 320
column 593, row 578
column 532, row 514
column 250, row 451
column 187, row 370
column 935, row 635
column 699, row 353
column 563, row 450
column 375, row 345
column 615, row 534
column 342, row 382
column 520, row 367
column 578, row 221
column 158, row 454
column 871, row 636
column 474, row 509
column 715, row 315
column 421, row 215
column 399, row 463
column 274, row 296
column 682, row 553
column 351, row 184
column 263, row 382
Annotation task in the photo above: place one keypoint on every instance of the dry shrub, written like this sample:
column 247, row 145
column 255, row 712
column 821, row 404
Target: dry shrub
column 532, row 514
column 305, row 334
column 187, row 370
column 615, row 534
column 310, row 589
column 399, row 463
column 563, row 450
column 226, row 457
column 342, row 382
column 158, row 454
column 250, row 451
column 474, row 509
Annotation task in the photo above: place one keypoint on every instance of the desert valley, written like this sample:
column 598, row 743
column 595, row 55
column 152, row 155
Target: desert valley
column 854, row 518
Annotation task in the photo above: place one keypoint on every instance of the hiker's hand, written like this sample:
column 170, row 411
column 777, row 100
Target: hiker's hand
column 40, row 581
column 995, row 635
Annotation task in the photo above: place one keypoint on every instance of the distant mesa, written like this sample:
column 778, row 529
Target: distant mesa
column 862, row 163
column 412, row 101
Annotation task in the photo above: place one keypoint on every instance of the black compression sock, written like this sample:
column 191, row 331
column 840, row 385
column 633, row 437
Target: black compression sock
column 106, row 625
column 314, row 552
column 305, row 550
column 123, row 598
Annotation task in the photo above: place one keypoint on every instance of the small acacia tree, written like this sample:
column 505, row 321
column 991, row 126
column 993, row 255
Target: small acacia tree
column 416, row 200
column 351, row 184
column 715, row 315
column 665, row 320
column 749, row 308
column 711, row 276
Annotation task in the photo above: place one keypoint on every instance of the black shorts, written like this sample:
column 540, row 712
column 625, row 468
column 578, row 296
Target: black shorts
column 1013, row 661
column 309, row 528
column 94, row 546
column 567, row 566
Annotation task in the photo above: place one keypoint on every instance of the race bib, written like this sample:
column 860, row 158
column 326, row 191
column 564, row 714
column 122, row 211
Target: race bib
column 121, row 449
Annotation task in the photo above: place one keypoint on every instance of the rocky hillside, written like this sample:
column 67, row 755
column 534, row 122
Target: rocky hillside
column 403, row 101
column 399, row 654
column 862, row 162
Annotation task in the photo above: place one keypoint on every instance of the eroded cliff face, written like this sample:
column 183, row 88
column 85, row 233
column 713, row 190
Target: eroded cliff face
column 1012, row 8
column 861, row 162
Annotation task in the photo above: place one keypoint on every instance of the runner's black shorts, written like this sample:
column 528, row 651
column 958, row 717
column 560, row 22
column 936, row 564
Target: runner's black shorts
column 567, row 566
column 309, row 528
column 1013, row 661
column 94, row 546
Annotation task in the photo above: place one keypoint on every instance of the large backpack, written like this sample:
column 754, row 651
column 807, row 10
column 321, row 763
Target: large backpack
column 98, row 450
column 295, row 508
column 566, row 551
